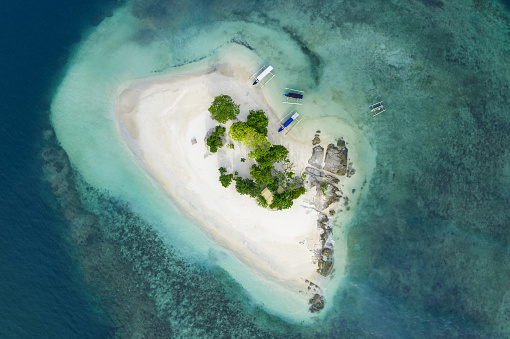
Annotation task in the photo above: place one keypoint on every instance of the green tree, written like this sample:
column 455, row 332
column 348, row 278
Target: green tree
column 226, row 179
column 281, row 201
column 285, row 200
column 247, row 186
column 262, row 175
column 275, row 153
column 241, row 132
column 262, row 201
column 214, row 141
column 258, row 120
column 223, row 108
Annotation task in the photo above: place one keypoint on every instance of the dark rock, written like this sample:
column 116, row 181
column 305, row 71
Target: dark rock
column 322, row 218
column 324, row 235
column 327, row 251
column 317, row 155
column 316, row 140
column 332, row 212
column 317, row 302
column 325, row 267
column 336, row 160
column 340, row 143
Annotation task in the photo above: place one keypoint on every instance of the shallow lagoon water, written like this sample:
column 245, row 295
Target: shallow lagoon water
column 428, row 247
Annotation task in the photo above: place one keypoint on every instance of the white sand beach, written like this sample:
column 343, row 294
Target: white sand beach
column 165, row 121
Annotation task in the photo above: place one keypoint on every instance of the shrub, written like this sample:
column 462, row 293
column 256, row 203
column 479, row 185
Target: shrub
column 226, row 179
column 224, row 108
column 247, row 186
column 297, row 193
column 258, row 120
column 262, row 201
column 214, row 141
column 243, row 159
column 222, row 170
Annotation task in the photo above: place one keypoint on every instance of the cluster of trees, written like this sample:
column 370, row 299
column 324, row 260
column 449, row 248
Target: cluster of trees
column 253, row 134
column 214, row 141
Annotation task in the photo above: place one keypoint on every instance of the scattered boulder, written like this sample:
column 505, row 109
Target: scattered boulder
column 317, row 155
column 316, row 140
column 317, row 302
column 340, row 143
column 336, row 160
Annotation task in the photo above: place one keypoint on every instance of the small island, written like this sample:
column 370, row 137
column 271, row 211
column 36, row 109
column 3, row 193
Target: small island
column 211, row 142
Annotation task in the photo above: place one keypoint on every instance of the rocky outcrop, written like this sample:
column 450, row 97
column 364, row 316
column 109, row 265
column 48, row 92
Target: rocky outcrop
column 326, row 195
column 317, row 155
column 317, row 303
column 325, row 255
column 325, row 266
column 336, row 160
column 316, row 140
column 332, row 179
column 314, row 172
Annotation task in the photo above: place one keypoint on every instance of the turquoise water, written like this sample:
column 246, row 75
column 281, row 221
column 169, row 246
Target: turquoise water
column 428, row 244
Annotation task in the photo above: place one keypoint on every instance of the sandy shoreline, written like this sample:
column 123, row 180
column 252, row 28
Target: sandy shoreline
column 162, row 120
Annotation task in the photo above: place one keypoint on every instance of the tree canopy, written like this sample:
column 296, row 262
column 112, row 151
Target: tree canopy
column 247, row 186
column 262, row 175
column 275, row 153
column 214, row 141
column 241, row 132
column 224, row 108
column 258, row 120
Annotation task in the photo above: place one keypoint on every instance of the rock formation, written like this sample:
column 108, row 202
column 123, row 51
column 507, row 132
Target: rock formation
column 317, row 155
column 317, row 302
column 336, row 160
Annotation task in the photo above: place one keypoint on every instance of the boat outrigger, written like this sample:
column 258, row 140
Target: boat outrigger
column 293, row 94
column 289, row 121
column 378, row 106
column 261, row 74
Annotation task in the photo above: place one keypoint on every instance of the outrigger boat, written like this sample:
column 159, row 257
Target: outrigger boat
column 261, row 74
column 289, row 121
column 293, row 94
column 378, row 106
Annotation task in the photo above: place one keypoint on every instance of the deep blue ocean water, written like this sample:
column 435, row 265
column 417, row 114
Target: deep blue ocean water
column 403, row 289
column 41, row 293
